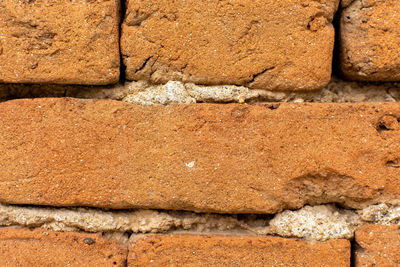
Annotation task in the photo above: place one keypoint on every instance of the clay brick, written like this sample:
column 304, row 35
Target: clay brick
column 266, row 44
column 377, row 245
column 60, row 42
column 23, row 247
column 370, row 40
column 229, row 158
column 195, row 250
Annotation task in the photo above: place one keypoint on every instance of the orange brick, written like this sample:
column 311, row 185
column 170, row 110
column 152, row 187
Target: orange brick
column 267, row 44
column 370, row 40
column 378, row 245
column 194, row 250
column 57, row 41
column 22, row 247
column 204, row 157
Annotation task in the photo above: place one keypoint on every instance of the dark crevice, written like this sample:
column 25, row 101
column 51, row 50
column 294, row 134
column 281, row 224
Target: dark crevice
column 255, row 76
column 336, row 50
column 354, row 247
column 116, row 210
column 239, row 216
column 382, row 128
column 144, row 64
column 393, row 163
column 122, row 67
column 273, row 106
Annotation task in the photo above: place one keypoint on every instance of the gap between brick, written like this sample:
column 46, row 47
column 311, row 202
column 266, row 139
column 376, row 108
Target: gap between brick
column 321, row 223
column 173, row 92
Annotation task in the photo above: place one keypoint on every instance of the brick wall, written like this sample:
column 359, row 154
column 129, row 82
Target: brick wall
column 199, row 133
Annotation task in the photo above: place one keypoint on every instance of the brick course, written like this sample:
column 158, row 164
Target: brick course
column 194, row 250
column 203, row 157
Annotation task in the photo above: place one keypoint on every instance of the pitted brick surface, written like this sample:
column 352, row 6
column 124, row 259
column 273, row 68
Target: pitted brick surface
column 370, row 40
column 62, row 42
column 23, row 247
column 194, row 250
column 204, row 157
column 377, row 245
column 263, row 44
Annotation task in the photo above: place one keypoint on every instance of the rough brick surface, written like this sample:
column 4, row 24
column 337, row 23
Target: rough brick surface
column 264, row 44
column 63, row 42
column 370, row 40
column 23, row 247
column 194, row 250
column 377, row 245
column 203, row 157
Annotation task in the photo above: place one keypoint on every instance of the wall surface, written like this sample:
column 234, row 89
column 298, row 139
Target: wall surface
column 199, row 133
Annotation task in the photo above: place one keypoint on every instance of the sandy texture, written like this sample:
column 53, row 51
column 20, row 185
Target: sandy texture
column 317, row 223
column 192, row 250
column 338, row 91
column 370, row 40
column 117, row 155
column 377, row 245
column 263, row 44
column 139, row 221
column 381, row 214
column 62, row 42
column 23, row 247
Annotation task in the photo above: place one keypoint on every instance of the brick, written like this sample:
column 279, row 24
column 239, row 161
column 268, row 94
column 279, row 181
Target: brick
column 265, row 44
column 23, row 247
column 377, row 245
column 60, row 42
column 195, row 250
column 229, row 158
column 370, row 40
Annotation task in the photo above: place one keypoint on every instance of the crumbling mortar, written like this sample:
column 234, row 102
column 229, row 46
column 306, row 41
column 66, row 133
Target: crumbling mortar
column 145, row 93
column 321, row 223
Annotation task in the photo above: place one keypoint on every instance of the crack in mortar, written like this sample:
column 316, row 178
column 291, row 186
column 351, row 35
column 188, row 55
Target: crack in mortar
column 145, row 93
column 321, row 223
column 136, row 221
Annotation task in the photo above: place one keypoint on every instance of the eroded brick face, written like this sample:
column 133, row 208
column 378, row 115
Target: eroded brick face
column 23, row 247
column 370, row 40
column 377, row 245
column 57, row 41
column 267, row 44
column 195, row 250
column 203, row 157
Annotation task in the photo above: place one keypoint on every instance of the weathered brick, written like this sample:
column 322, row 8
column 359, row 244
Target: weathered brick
column 57, row 41
column 23, row 247
column 195, row 250
column 370, row 40
column 377, row 245
column 202, row 157
column 266, row 44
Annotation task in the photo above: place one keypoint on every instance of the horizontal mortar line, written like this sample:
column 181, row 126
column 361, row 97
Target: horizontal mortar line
column 146, row 93
column 95, row 220
column 116, row 210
